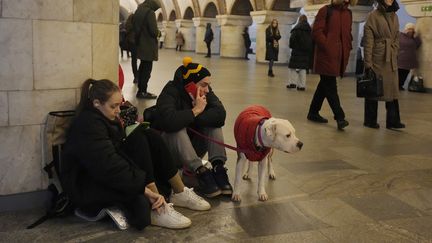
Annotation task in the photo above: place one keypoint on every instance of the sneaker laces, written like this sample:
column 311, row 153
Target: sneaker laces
column 169, row 209
column 192, row 194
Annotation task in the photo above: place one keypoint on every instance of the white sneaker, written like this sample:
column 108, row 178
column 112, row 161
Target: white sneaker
column 169, row 218
column 189, row 199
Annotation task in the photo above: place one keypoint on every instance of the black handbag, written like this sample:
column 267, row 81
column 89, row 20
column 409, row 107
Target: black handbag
column 370, row 85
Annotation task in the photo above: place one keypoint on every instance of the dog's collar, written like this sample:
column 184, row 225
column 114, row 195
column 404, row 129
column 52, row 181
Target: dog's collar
column 261, row 144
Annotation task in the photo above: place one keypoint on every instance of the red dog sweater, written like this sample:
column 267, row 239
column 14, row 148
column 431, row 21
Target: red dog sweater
column 244, row 131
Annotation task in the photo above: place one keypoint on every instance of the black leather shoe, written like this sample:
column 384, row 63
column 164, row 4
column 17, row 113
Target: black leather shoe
column 221, row 178
column 395, row 126
column 341, row 124
column 206, row 183
column 317, row 118
column 301, row 88
column 371, row 125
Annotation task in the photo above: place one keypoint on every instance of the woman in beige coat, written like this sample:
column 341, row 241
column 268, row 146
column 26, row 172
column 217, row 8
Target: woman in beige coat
column 381, row 46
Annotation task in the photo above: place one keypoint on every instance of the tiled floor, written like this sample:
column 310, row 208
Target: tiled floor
column 360, row 185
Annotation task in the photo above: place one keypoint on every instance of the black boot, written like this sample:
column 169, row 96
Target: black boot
column 370, row 114
column 207, row 183
column 393, row 116
column 270, row 73
column 221, row 178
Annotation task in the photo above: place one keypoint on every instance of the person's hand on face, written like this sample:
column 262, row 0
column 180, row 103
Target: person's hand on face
column 200, row 100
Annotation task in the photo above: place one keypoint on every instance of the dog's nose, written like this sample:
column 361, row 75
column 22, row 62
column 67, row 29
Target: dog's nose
column 299, row 144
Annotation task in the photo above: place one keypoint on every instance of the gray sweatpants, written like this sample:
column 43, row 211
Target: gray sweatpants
column 188, row 150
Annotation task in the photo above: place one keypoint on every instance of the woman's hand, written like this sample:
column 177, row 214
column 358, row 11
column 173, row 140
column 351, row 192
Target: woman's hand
column 155, row 199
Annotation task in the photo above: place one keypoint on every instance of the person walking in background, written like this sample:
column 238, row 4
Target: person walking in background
column 122, row 40
column 407, row 59
column 301, row 45
column 146, row 32
column 332, row 35
column 381, row 46
column 162, row 38
column 247, row 42
column 131, row 45
column 208, row 38
column 179, row 40
column 272, row 45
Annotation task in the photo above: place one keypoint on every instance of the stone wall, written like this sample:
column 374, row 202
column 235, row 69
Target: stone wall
column 47, row 49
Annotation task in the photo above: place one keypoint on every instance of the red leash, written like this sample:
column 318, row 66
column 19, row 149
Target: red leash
column 218, row 142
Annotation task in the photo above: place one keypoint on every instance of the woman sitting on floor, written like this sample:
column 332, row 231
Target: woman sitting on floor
column 104, row 168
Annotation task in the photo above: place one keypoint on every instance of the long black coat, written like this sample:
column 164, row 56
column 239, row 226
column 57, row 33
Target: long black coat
column 174, row 110
column 147, row 46
column 301, row 45
column 272, row 51
column 95, row 170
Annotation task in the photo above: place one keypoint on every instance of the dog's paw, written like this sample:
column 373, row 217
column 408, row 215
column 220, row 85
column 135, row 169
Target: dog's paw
column 235, row 198
column 246, row 176
column 272, row 176
column 263, row 197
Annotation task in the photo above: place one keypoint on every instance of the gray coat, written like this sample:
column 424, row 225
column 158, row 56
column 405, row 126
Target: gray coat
column 147, row 47
column 381, row 47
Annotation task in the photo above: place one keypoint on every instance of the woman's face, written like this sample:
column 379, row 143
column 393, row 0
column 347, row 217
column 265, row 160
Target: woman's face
column 388, row 2
column 274, row 23
column 111, row 108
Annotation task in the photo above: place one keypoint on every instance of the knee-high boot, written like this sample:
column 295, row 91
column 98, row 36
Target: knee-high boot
column 393, row 115
column 371, row 113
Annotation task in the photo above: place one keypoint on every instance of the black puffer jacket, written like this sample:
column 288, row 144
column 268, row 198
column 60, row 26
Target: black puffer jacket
column 301, row 45
column 94, row 169
column 174, row 109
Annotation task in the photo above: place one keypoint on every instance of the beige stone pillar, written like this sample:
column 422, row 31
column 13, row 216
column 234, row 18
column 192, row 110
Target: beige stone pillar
column 232, row 26
column 188, row 29
column 359, row 14
column 48, row 48
column 422, row 11
column 170, row 30
column 200, row 27
column 263, row 20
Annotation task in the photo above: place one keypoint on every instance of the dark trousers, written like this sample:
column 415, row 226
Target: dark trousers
column 149, row 152
column 403, row 74
column 371, row 112
column 246, row 52
column 178, row 47
column 144, row 70
column 134, row 63
column 327, row 88
column 271, row 62
column 208, row 48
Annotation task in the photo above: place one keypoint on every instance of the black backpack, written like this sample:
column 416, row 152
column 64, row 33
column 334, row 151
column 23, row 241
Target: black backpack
column 55, row 133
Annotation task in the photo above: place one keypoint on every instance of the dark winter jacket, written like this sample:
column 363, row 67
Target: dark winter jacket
column 174, row 109
column 333, row 39
column 94, row 168
column 272, row 51
column 147, row 46
column 301, row 45
column 246, row 39
column 208, row 34
column 407, row 58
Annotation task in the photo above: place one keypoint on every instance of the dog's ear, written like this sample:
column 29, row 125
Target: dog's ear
column 270, row 129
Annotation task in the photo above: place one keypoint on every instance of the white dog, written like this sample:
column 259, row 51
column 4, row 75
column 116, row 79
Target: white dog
column 256, row 134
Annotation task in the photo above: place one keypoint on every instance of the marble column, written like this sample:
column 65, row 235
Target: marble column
column 263, row 19
column 201, row 46
column 48, row 49
column 170, row 30
column 187, row 28
column 359, row 14
column 422, row 11
column 231, row 41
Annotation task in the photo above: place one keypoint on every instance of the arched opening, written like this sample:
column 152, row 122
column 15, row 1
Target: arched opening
column 189, row 14
column 172, row 16
column 281, row 5
column 242, row 7
column 210, row 11
column 160, row 17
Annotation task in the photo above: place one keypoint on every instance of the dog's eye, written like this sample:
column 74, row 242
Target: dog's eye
column 288, row 135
